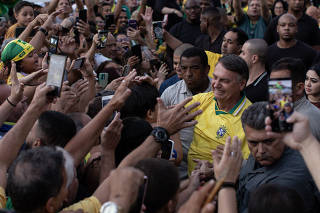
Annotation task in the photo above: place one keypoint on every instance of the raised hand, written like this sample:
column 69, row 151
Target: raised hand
column 111, row 135
column 147, row 17
column 17, row 87
column 177, row 117
column 230, row 163
column 123, row 91
column 300, row 136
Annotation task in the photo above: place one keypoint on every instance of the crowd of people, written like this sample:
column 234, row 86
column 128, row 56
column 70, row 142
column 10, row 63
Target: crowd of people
column 157, row 106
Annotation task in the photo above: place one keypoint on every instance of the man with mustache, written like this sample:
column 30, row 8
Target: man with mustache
column 271, row 162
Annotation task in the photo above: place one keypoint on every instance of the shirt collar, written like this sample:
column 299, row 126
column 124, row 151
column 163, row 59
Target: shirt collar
column 235, row 110
column 184, row 89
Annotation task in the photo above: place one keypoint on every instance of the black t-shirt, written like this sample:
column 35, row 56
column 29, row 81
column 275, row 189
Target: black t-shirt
column 300, row 50
column 186, row 32
column 308, row 31
column 258, row 90
column 158, row 5
column 204, row 42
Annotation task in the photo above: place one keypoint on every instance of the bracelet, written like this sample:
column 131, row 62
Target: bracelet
column 228, row 185
column 14, row 105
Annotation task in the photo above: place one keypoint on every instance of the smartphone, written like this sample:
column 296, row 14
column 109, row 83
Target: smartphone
column 105, row 100
column 83, row 15
column 19, row 30
column 56, row 73
column 78, row 63
column 157, row 29
column 280, row 105
column 133, row 24
column 53, row 44
column 102, row 35
column 136, row 51
column 103, row 79
column 109, row 20
column 167, row 150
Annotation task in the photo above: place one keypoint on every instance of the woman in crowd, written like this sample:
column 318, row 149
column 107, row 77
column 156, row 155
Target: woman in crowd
column 312, row 85
column 279, row 7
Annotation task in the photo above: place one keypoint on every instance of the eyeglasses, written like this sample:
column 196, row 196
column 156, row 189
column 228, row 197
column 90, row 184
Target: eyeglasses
column 122, row 39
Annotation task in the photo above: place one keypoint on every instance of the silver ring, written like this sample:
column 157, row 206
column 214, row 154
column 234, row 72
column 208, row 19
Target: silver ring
column 232, row 153
column 123, row 81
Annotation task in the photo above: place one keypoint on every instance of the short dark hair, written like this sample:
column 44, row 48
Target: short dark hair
column 56, row 128
column 214, row 16
column 143, row 97
column 34, row 177
column 316, row 68
column 163, row 182
column 236, row 64
column 196, row 52
column 294, row 65
column 242, row 36
column 276, row 199
column 255, row 115
column 21, row 5
column 131, row 136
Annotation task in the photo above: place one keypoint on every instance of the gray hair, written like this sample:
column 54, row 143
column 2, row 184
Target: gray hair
column 68, row 165
column 254, row 116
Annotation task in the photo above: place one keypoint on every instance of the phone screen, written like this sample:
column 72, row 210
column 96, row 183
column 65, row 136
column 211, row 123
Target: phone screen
column 78, row 63
column 157, row 29
column 103, row 79
column 102, row 35
column 133, row 23
column 280, row 103
column 105, row 100
column 56, row 73
column 53, row 44
column 167, row 149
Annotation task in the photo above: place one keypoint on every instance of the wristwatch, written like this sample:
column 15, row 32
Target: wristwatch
column 110, row 207
column 45, row 32
column 160, row 134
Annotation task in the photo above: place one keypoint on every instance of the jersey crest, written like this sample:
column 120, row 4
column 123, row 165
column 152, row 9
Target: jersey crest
column 221, row 131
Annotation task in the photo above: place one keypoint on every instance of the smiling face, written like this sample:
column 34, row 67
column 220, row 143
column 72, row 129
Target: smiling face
column 226, row 85
column 278, row 9
column 25, row 16
column 264, row 149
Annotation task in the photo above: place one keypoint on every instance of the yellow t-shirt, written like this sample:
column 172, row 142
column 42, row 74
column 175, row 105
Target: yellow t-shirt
column 214, row 126
column 3, row 198
column 11, row 32
column 88, row 205
column 213, row 59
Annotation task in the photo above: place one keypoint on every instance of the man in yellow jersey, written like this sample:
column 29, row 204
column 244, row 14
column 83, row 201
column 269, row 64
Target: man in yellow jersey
column 221, row 110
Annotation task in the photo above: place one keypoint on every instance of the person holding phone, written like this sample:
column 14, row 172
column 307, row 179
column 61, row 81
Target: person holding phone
column 272, row 162
column 312, row 85
column 295, row 69
column 24, row 14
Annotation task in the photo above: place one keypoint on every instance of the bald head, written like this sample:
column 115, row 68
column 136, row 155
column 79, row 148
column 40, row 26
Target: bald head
column 257, row 47
column 287, row 16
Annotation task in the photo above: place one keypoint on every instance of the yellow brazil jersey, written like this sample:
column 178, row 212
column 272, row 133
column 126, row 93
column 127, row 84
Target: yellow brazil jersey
column 214, row 126
column 213, row 59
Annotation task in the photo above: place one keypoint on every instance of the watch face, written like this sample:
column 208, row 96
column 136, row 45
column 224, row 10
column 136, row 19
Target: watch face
column 161, row 135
